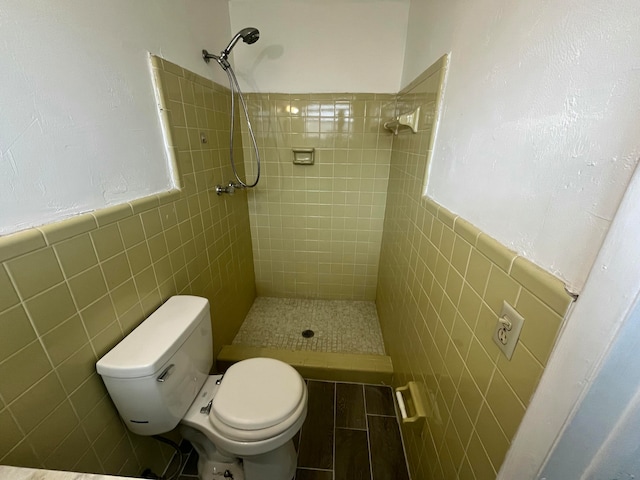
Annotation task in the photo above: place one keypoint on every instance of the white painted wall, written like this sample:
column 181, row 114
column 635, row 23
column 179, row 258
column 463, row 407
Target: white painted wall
column 539, row 133
column 321, row 46
column 79, row 128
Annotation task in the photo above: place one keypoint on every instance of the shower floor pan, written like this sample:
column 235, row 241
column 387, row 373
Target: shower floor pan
column 324, row 339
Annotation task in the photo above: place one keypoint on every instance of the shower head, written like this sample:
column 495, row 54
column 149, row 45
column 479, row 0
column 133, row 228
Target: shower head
column 249, row 35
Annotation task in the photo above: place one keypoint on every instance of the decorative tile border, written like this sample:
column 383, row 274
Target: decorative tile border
column 25, row 241
column 544, row 285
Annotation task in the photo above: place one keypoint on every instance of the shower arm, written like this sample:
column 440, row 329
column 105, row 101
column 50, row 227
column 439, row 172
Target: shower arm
column 221, row 59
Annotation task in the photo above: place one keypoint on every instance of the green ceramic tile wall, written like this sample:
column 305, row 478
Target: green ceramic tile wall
column 317, row 229
column 441, row 285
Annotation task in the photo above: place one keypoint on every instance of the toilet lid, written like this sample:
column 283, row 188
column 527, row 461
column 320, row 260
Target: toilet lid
column 257, row 393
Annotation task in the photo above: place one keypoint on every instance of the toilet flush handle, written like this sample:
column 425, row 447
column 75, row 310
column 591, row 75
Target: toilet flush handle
column 165, row 373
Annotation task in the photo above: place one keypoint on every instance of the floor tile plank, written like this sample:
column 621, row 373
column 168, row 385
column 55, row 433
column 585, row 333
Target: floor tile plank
column 387, row 455
column 352, row 455
column 303, row 474
column 316, row 438
column 350, row 406
column 379, row 400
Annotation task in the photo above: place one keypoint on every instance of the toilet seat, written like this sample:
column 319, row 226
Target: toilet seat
column 262, row 443
column 250, row 436
column 257, row 399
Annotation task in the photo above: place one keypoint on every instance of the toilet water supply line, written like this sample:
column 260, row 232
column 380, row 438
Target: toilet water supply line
column 248, row 35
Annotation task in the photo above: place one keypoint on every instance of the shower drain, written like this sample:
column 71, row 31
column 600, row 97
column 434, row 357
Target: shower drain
column 308, row 333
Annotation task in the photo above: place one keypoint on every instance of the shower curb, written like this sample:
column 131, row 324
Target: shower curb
column 337, row 367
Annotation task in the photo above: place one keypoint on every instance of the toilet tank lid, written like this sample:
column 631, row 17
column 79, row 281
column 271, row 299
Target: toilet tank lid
column 147, row 348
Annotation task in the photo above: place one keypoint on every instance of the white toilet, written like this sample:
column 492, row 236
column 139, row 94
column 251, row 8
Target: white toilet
column 158, row 377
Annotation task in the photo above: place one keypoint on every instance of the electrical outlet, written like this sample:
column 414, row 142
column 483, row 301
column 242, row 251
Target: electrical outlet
column 508, row 329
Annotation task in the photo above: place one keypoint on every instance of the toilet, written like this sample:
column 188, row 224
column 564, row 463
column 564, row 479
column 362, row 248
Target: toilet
column 240, row 423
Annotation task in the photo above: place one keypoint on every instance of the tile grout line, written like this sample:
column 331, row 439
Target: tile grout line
column 366, row 419
column 335, row 416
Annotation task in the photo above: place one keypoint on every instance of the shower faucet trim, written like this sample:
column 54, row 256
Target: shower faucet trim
column 230, row 188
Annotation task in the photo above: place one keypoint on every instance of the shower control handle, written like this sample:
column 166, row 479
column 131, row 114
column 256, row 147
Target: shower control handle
column 230, row 189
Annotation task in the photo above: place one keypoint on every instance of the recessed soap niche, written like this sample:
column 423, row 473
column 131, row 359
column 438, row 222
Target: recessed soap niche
column 303, row 156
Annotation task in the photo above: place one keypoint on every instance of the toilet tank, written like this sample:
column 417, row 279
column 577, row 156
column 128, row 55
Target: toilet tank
column 154, row 374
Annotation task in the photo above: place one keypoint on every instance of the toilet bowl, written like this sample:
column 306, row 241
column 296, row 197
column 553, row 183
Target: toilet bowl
column 270, row 417
column 158, row 378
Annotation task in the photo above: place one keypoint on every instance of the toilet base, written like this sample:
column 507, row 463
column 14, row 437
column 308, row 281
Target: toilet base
column 278, row 464
column 274, row 458
column 208, row 470
column 212, row 464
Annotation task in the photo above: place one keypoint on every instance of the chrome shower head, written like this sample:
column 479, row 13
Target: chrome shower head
column 249, row 35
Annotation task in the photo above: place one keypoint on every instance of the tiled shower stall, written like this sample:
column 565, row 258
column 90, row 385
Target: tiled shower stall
column 317, row 229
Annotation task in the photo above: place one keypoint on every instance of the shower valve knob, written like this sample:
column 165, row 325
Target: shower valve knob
column 230, row 189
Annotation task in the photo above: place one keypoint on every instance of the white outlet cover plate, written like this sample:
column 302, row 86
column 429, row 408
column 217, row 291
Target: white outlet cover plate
column 517, row 321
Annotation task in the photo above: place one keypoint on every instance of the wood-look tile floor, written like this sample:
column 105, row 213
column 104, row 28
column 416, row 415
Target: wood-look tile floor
column 351, row 432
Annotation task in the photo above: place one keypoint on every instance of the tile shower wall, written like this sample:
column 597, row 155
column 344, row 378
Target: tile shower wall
column 70, row 291
column 317, row 229
column 441, row 286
